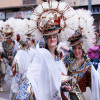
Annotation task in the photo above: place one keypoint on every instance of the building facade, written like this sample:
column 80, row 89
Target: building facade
column 82, row 2
column 17, row 8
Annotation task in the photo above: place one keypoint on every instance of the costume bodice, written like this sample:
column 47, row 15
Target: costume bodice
column 77, row 72
column 9, row 50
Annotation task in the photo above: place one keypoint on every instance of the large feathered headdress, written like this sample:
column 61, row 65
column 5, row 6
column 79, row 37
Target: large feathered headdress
column 7, row 31
column 49, row 17
column 85, row 30
column 52, row 17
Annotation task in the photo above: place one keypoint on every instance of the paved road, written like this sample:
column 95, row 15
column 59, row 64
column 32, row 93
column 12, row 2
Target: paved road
column 5, row 95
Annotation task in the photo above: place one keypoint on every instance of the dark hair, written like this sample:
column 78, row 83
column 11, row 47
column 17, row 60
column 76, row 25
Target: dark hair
column 23, row 44
column 83, row 52
column 77, row 44
column 33, row 41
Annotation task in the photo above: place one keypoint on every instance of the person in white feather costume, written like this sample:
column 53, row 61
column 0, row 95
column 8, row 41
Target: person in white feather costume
column 79, row 65
column 8, row 49
column 20, row 65
column 44, row 73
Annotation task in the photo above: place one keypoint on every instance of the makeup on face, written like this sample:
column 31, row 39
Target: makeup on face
column 77, row 50
column 52, row 40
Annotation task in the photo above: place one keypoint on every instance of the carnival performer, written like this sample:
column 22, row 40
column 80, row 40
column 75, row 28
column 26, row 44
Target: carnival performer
column 20, row 66
column 44, row 73
column 2, row 67
column 93, row 52
column 81, row 69
column 31, row 42
column 44, row 58
column 8, row 49
column 43, row 79
column 98, row 43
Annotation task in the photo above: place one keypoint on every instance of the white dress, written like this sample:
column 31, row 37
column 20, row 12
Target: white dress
column 44, row 73
column 22, row 59
column 8, row 69
column 95, row 77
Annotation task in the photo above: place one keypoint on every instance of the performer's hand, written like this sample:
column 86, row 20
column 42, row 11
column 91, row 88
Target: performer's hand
column 64, row 47
column 10, row 57
column 66, row 88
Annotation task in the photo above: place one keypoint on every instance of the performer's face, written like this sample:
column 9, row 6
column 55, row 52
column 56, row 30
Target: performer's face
column 52, row 41
column 95, row 39
column 8, row 40
column 77, row 50
column 26, row 47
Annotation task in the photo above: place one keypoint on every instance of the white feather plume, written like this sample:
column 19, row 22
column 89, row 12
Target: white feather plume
column 69, row 13
column 32, row 23
column 34, row 17
column 62, row 6
column 39, row 9
column 54, row 4
column 45, row 5
column 72, row 22
column 37, row 35
column 64, row 35
column 1, row 24
column 86, row 23
column 11, row 22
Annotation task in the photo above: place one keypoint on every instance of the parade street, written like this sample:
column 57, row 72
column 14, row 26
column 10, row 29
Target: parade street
column 5, row 95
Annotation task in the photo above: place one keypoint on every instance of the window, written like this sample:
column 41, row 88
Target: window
column 28, row 2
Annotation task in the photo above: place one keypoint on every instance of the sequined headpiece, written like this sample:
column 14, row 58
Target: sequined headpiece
column 51, row 28
column 7, row 31
column 76, row 38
